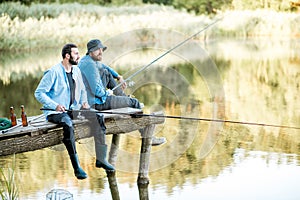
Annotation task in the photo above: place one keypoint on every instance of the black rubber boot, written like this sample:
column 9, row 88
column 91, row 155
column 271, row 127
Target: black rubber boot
column 101, row 162
column 78, row 171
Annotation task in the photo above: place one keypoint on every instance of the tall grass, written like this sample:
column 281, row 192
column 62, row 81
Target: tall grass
column 8, row 187
column 51, row 25
column 80, row 23
column 38, row 11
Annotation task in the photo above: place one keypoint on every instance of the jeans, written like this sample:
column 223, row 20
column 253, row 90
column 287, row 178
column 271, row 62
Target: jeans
column 108, row 81
column 114, row 102
column 97, row 127
column 118, row 101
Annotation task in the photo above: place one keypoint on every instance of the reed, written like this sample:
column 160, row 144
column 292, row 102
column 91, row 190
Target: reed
column 8, row 186
column 52, row 25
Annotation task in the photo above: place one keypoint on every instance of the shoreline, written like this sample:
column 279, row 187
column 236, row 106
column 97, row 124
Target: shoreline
column 33, row 34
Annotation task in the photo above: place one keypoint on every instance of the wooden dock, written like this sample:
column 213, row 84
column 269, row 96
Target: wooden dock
column 41, row 134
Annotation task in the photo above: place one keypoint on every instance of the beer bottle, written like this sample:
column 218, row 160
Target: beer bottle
column 13, row 117
column 23, row 116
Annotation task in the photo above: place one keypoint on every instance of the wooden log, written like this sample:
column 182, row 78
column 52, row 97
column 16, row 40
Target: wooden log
column 143, row 192
column 113, row 185
column 147, row 134
column 43, row 134
column 111, row 176
column 114, row 148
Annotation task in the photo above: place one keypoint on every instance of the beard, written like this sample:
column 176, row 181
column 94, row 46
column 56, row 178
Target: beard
column 72, row 61
column 96, row 57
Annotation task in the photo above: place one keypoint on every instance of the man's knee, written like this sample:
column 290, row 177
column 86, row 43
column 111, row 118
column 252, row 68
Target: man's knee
column 66, row 121
column 135, row 103
column 105, row 73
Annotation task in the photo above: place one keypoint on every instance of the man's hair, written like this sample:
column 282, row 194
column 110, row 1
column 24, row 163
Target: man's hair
column 67, row 49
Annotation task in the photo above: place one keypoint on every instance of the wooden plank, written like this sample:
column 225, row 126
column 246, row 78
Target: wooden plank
column 40, row 134
column 37, row 123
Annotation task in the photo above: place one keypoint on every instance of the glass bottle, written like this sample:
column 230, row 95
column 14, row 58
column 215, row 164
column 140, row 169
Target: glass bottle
column 23, row 116
column 13, row 117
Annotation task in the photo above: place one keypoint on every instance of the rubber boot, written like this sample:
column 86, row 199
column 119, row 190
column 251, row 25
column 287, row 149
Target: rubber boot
column 101, row 162
column 78, row 171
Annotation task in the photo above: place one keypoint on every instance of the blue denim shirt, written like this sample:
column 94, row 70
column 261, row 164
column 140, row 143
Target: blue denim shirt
column 96, row 92
column 54, row 89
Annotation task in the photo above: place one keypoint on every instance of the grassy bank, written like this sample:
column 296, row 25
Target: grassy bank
column 52, row 25
column 8, row 187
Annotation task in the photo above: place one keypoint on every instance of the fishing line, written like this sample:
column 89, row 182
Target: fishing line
column 167, row 52
column 137, row 115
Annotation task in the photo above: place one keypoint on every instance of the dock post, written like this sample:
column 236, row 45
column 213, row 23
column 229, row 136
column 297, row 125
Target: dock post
column 147, row 134
column 143, row 192
column 113, row 154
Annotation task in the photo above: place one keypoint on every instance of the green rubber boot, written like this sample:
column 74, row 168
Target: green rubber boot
column 78, row 171
column 101, row 162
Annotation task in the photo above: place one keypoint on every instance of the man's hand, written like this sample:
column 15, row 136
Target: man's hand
column 121, row 80
column 60, row 108
column 85, row 105
column 109, row 92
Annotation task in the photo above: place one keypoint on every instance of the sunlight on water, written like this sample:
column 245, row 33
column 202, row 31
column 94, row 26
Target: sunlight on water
column 252, row 177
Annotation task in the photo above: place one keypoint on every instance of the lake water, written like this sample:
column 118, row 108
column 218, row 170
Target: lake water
column 240, row 80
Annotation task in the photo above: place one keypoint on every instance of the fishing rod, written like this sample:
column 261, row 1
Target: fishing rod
column 140, row 114
column 167, row 52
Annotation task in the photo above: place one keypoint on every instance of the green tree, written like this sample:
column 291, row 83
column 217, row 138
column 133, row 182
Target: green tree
column 165, row 2
column 96, row 2
column 202, row 6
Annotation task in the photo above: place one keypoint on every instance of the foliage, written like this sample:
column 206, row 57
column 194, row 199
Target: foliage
column 54, row 10
column 22, row 30
column 277, row 5
column 95, row 2
column 39, row 25
column 164, row 2
column 201, row 6
column 8, row 187
column 195, row 6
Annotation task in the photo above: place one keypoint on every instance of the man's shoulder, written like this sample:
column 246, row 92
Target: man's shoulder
column 76, row 69
column 54, row 68
column 86, row 63
column 85, row 59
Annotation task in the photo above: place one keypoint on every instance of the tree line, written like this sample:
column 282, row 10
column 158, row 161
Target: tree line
column 195, row 6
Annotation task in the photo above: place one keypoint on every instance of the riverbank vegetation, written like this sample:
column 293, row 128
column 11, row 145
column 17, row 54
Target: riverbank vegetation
column 8, row 187
column 40, row 26
column 196, row 6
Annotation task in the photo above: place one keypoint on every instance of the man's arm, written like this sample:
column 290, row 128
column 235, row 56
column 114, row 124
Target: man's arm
column 92, row 79
column 83, row 93
column 116, row 76
column 111, row 70
column 43, row 89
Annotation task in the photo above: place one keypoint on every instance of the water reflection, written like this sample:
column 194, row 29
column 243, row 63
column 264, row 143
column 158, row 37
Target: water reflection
column 260, row 85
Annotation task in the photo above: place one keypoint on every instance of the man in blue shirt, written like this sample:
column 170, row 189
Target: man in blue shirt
column 99, row 79
column 62, row 90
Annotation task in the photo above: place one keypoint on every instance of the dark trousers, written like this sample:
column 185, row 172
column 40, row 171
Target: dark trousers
column 97, row 127
column 114, row 102
column 120, row 100
column 109, row 82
